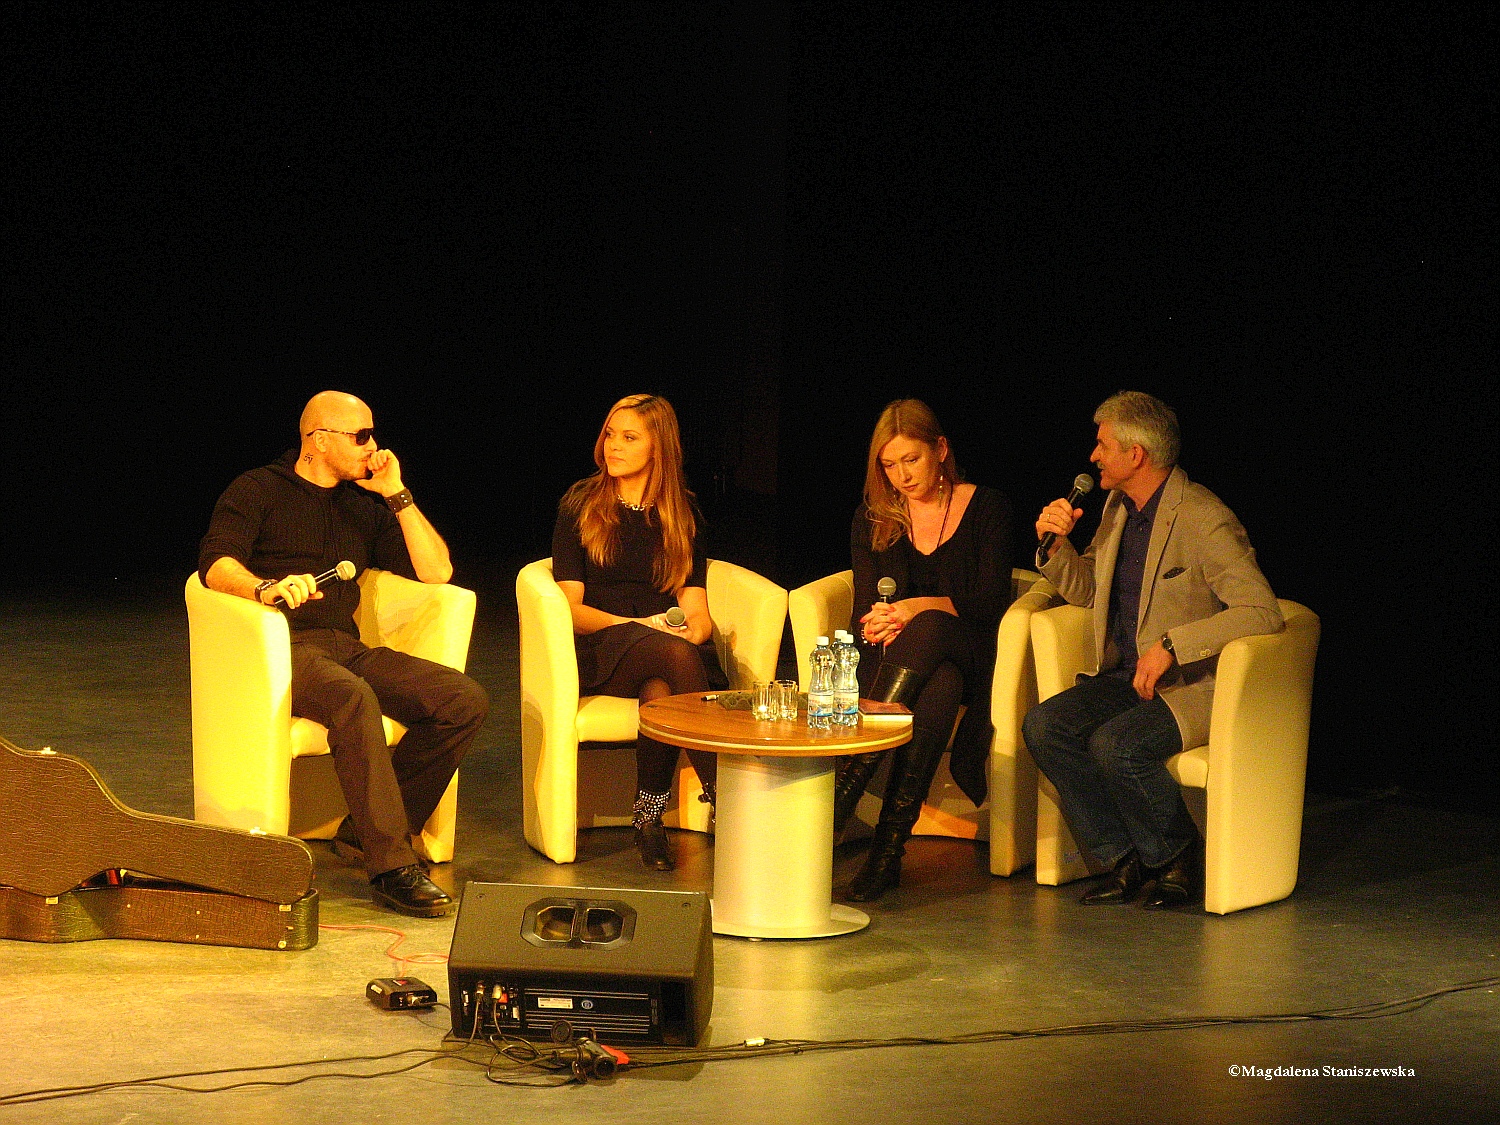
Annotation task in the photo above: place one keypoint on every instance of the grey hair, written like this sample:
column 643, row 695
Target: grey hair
column 1144, row 420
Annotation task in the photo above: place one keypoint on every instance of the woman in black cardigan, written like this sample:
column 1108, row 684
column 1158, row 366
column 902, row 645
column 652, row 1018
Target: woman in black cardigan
column 946, row 544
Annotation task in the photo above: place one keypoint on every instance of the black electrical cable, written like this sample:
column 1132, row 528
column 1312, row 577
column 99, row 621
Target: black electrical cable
column 165, row 1081
column 523, row 1054
column 644, row 1057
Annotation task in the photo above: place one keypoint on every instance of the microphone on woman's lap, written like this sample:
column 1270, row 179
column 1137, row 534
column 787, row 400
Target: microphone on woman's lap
column 886, row 587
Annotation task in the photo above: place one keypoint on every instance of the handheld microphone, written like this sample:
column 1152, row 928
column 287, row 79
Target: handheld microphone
column 885, row 588
column 341, row 573
column 675, row 617
column 1083, row 484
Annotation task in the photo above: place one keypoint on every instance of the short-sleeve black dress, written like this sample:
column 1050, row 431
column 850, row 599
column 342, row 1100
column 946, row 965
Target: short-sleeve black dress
column 626, row 587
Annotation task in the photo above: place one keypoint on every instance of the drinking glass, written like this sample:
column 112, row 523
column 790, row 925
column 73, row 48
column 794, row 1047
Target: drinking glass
column 786, row 700
column 763, row 700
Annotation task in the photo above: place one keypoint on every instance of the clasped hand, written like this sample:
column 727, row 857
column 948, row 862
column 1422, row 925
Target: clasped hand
column 884, row 622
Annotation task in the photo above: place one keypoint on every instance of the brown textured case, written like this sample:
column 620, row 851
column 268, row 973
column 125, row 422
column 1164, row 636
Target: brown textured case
column 160, row 912
column 60, row 826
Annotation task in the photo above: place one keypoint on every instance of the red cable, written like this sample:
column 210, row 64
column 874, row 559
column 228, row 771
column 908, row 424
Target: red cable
column 390, row 950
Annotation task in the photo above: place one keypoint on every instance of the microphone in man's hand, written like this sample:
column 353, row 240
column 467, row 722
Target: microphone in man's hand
column 675, row 617
column 341, row 573
column 1083, row 484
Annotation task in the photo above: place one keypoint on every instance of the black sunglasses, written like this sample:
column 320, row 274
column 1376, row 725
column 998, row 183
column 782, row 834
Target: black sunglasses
column 359, row 436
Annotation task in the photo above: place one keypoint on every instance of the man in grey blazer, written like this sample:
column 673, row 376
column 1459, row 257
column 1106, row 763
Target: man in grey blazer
column 1172, row 579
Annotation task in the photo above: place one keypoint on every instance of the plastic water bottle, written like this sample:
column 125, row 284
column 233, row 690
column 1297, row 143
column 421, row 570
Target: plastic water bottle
column 845, row 680
column 820, row 687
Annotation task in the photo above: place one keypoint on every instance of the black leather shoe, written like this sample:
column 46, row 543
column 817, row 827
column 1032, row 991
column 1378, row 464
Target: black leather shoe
column 881, row 872
column 1122, row 884
column 409, row 891
column 1179, row 882
column 655, row 848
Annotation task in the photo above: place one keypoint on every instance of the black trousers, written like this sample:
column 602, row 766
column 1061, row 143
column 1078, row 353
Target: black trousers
column 390, row 791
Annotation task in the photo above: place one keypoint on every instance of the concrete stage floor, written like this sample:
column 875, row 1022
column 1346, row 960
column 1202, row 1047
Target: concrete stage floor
column 1395, row 899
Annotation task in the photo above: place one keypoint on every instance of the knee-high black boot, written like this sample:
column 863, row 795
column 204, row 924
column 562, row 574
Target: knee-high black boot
column 912, row 772
column 893, row 684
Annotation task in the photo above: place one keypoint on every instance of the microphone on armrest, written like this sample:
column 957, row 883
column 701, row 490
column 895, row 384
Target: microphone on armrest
column 340, row 573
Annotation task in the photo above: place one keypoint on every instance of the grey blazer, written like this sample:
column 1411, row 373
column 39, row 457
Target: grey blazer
column 1201, row 585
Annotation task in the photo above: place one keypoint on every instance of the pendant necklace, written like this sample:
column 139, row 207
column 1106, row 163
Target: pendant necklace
column 948, row 503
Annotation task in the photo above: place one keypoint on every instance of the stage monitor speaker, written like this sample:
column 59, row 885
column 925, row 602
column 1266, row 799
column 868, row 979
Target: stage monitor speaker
column 633, row 966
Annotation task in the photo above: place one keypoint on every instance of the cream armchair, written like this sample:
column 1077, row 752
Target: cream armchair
column 1008, row 817
column 1244, row 788
column 566, row 789
column 256, row 765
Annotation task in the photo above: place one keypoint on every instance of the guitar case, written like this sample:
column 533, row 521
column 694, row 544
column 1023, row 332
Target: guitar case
column 77, row 865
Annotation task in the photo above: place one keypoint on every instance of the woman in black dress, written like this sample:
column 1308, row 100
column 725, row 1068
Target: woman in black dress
column 624, row 552
column 946, row 543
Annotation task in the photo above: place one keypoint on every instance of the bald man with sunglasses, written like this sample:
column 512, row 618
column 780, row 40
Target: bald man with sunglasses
column 341, row 497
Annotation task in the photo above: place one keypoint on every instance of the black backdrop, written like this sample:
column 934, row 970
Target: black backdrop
column 491, row 221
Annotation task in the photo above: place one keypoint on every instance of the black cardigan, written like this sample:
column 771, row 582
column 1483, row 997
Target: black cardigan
column 974, row 571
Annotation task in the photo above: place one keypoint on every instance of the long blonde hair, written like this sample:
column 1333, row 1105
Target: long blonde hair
column 885, row 506
column 593, row 501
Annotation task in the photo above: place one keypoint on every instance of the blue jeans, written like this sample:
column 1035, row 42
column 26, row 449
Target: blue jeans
column 1105, row 749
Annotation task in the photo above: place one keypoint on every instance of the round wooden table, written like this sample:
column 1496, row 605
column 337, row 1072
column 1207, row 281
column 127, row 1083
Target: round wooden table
column 773, row 832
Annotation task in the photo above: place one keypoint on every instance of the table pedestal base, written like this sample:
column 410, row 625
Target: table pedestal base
column 773, row 850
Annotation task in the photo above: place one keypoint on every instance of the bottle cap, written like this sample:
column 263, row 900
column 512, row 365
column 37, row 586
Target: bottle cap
column 822, row 642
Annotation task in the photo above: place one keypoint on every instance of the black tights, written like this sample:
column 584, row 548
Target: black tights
column 936, row 647
column 655, row 666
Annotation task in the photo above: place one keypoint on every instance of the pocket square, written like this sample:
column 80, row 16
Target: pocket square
column 1173, row 573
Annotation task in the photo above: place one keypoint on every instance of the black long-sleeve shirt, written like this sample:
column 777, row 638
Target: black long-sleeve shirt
column 275, row 523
